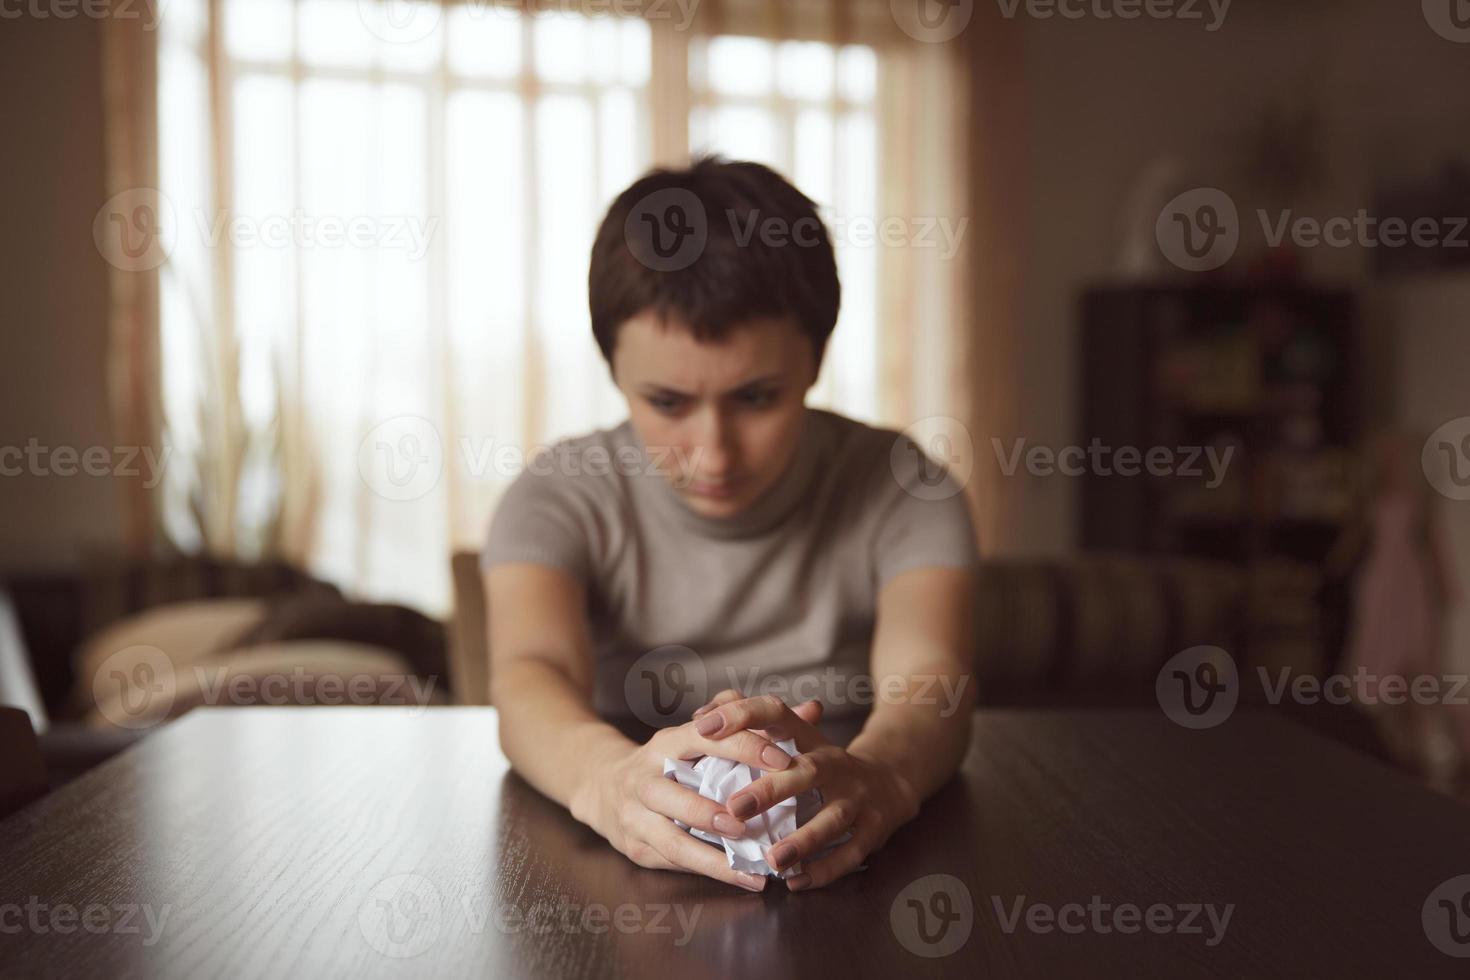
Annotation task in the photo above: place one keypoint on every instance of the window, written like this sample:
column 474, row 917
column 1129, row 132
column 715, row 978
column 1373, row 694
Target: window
column 382, row 245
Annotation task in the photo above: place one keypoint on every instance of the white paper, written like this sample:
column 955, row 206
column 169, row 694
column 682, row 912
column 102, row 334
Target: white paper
column 719, row 779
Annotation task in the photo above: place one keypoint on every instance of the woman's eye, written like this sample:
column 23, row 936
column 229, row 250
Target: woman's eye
column 758, row 399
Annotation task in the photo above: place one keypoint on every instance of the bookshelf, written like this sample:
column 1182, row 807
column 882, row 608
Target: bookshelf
column 1263, row 381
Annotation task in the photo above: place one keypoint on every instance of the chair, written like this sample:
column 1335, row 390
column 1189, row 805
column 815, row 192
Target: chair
column 22, row 773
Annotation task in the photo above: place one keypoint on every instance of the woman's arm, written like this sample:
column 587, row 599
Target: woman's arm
column 541, row 683
column 912, row 743
column 924, row 635
column 541, row 679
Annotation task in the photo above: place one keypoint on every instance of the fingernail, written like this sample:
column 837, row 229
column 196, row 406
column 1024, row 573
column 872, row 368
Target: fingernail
column 728, row 825
column 797, row 882
column 774, row 758
column 783, row 855
column 755, row 883
column 701, row 710
column 742, row 806
column 709, row 724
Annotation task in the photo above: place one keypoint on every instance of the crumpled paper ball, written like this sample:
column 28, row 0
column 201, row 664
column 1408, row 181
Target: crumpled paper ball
column 719, row 779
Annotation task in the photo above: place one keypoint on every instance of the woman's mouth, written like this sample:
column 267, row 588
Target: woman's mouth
column 719, row 491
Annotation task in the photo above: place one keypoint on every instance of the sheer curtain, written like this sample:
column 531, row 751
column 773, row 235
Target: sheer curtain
column 370, row 306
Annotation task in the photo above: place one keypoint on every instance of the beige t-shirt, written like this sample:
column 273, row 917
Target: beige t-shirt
column 780, row 598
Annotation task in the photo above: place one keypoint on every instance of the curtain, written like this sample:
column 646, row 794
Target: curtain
column 371, row 308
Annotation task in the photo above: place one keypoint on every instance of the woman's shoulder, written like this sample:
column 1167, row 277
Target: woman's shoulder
column 931, row 451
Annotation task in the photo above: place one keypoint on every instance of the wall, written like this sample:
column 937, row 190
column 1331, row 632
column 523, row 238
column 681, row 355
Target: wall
column 1104, row 98
column 53, row 286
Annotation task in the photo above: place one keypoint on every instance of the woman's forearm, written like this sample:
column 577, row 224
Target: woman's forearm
column 547, row 730
column 922, row 743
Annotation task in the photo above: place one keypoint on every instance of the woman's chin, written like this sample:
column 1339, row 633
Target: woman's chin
column 708, row 505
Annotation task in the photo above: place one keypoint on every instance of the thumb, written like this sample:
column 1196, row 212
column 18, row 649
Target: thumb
column 809, row 711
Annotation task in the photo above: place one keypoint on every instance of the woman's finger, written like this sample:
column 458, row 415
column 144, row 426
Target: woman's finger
column 695, row 855
column 724, row 697
column 844, row 859
column 666, row 797
column 830, row 823
column 751, row 748
column 773, row 787
column 764, row 712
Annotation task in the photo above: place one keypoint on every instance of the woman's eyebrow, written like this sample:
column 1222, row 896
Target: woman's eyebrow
column 755, row 382
column 657, row 389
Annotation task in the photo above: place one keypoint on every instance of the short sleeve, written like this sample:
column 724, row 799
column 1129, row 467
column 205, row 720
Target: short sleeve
column 924, row 520
column 546, row 518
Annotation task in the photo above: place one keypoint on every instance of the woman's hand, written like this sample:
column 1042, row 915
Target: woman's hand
column 860, row 795
column 631, row 802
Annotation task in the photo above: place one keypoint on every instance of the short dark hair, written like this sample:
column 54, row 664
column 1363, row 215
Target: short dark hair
column 763, row 252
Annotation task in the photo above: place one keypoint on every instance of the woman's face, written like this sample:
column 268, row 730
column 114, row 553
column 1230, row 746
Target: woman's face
column 729, row 412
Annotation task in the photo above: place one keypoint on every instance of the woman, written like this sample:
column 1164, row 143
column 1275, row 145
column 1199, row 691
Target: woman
column 777, row 548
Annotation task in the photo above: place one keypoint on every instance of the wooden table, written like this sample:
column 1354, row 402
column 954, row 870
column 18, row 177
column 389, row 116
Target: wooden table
column 317, row 842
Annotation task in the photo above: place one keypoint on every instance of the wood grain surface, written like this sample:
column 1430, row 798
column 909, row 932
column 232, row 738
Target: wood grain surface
column 365, row 842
